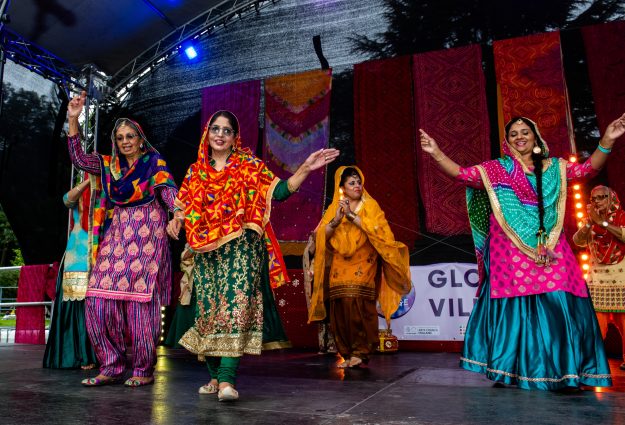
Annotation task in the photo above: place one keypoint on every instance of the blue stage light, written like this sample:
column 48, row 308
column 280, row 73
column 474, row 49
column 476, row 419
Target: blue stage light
column 190, row 52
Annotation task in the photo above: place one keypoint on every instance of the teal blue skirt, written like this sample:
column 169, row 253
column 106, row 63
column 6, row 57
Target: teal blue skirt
column 548, row 341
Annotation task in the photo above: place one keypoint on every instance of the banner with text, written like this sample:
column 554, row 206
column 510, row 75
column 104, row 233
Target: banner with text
column 439, row 303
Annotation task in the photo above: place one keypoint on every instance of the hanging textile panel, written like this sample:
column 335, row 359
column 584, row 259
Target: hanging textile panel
column 606, row 68
column 242, row 99
column 530, row 81
column 450, row 105
column 297, row 109
column 384, row 141
column 35, row 283
column 291, row 304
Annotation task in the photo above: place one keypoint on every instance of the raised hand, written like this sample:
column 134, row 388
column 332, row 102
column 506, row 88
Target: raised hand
column 76, row 105
column 613, row 131
column 428, row 144
column 320, row 158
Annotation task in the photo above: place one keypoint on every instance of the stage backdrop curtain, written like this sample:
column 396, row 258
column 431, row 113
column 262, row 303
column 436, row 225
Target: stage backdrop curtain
column 297, row 109
column 530, row 80
column 450, row 105
column 242, row 99
column 34, row 284
column 291, row 304
column 606, row 68
column 384, row 141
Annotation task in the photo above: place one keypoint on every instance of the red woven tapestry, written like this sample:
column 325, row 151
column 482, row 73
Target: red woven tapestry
column 35, row 283
column 606, row 68
column 384, row 141
column 450, row 105
column 531, row 83
column 291, row 303
column 297, row 109
column 242, row 99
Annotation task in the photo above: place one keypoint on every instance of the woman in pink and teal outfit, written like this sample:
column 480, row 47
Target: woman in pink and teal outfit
column 533, row 324
column 131, row 276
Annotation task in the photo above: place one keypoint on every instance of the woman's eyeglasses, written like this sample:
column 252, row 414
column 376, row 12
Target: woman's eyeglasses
column 598, row 198
column 226, row 131
column 131, row 137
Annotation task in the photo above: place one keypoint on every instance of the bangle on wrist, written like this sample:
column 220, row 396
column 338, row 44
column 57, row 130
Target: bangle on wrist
column 333, row 224
column 439, row 158
column 350, row 216
column 603, row 149
column 290, row 187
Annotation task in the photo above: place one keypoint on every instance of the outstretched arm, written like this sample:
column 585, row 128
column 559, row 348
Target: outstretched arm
column 82, row 160
column 429, row 145
column 74, row 108
column 314, row 161
column 614, row 130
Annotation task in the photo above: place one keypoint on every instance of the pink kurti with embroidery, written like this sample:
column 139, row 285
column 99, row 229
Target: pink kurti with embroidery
column 514, row 274
column 134, row 260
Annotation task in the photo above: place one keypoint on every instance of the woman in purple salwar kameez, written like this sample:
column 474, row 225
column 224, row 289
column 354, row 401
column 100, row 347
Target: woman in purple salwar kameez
column 131, row 278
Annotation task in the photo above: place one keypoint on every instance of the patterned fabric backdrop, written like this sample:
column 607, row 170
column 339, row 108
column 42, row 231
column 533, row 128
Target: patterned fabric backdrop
column 606, row 67
column 297, row 109
column 35, row 283
column 243, row 99
column 384, row 141
column 531, row 83
column 291, row 303
column 450, row 104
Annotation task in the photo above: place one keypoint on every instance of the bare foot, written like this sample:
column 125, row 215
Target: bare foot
column 143, row 379
column 355, row 361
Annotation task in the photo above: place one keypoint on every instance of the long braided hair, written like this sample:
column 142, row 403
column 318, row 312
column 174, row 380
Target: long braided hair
column 537, row 159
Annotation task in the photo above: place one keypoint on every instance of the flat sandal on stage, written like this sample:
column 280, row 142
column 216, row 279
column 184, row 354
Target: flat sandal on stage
column 97, row 382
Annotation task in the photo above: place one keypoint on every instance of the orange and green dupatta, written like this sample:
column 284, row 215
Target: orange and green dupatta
column 219, row 205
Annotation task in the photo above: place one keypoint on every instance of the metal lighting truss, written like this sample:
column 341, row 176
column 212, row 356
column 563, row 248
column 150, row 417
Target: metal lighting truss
column 203, row 24
column 40, row 61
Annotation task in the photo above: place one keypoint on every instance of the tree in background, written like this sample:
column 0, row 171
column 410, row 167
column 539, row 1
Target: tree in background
column 433, row 25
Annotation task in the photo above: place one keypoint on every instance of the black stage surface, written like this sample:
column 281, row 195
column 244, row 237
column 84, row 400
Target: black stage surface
column 294, row 387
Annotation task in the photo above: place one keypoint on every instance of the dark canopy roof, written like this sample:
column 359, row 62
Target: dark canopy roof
column 108, row 34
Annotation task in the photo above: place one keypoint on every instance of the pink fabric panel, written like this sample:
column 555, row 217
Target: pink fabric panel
column 450, row 105
column 243, row 100
column 35, row 283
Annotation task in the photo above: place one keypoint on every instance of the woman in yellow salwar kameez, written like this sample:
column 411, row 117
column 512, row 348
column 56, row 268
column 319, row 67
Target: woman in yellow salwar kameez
column 367, row 264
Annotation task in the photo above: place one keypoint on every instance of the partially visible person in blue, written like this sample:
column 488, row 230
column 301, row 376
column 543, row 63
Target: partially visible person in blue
column 68, row 345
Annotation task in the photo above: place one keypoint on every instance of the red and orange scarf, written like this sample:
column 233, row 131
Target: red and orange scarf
column 219, row 205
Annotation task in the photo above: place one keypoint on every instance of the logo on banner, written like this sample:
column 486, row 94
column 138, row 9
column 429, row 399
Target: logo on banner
column 406, row 303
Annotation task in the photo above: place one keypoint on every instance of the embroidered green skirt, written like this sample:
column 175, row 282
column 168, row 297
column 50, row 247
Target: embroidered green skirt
column 235, row 312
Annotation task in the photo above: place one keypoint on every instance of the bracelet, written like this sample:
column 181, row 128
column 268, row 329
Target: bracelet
column 290, row 187
column 442, row 157
column 350, row 216
column 333, row 224
column 604, row 150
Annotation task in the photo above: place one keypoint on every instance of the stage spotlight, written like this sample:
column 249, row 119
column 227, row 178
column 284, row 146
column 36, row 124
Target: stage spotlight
column 189, row 50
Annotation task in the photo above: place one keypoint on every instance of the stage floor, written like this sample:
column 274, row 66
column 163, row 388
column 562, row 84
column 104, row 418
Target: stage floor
column 294, row 387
